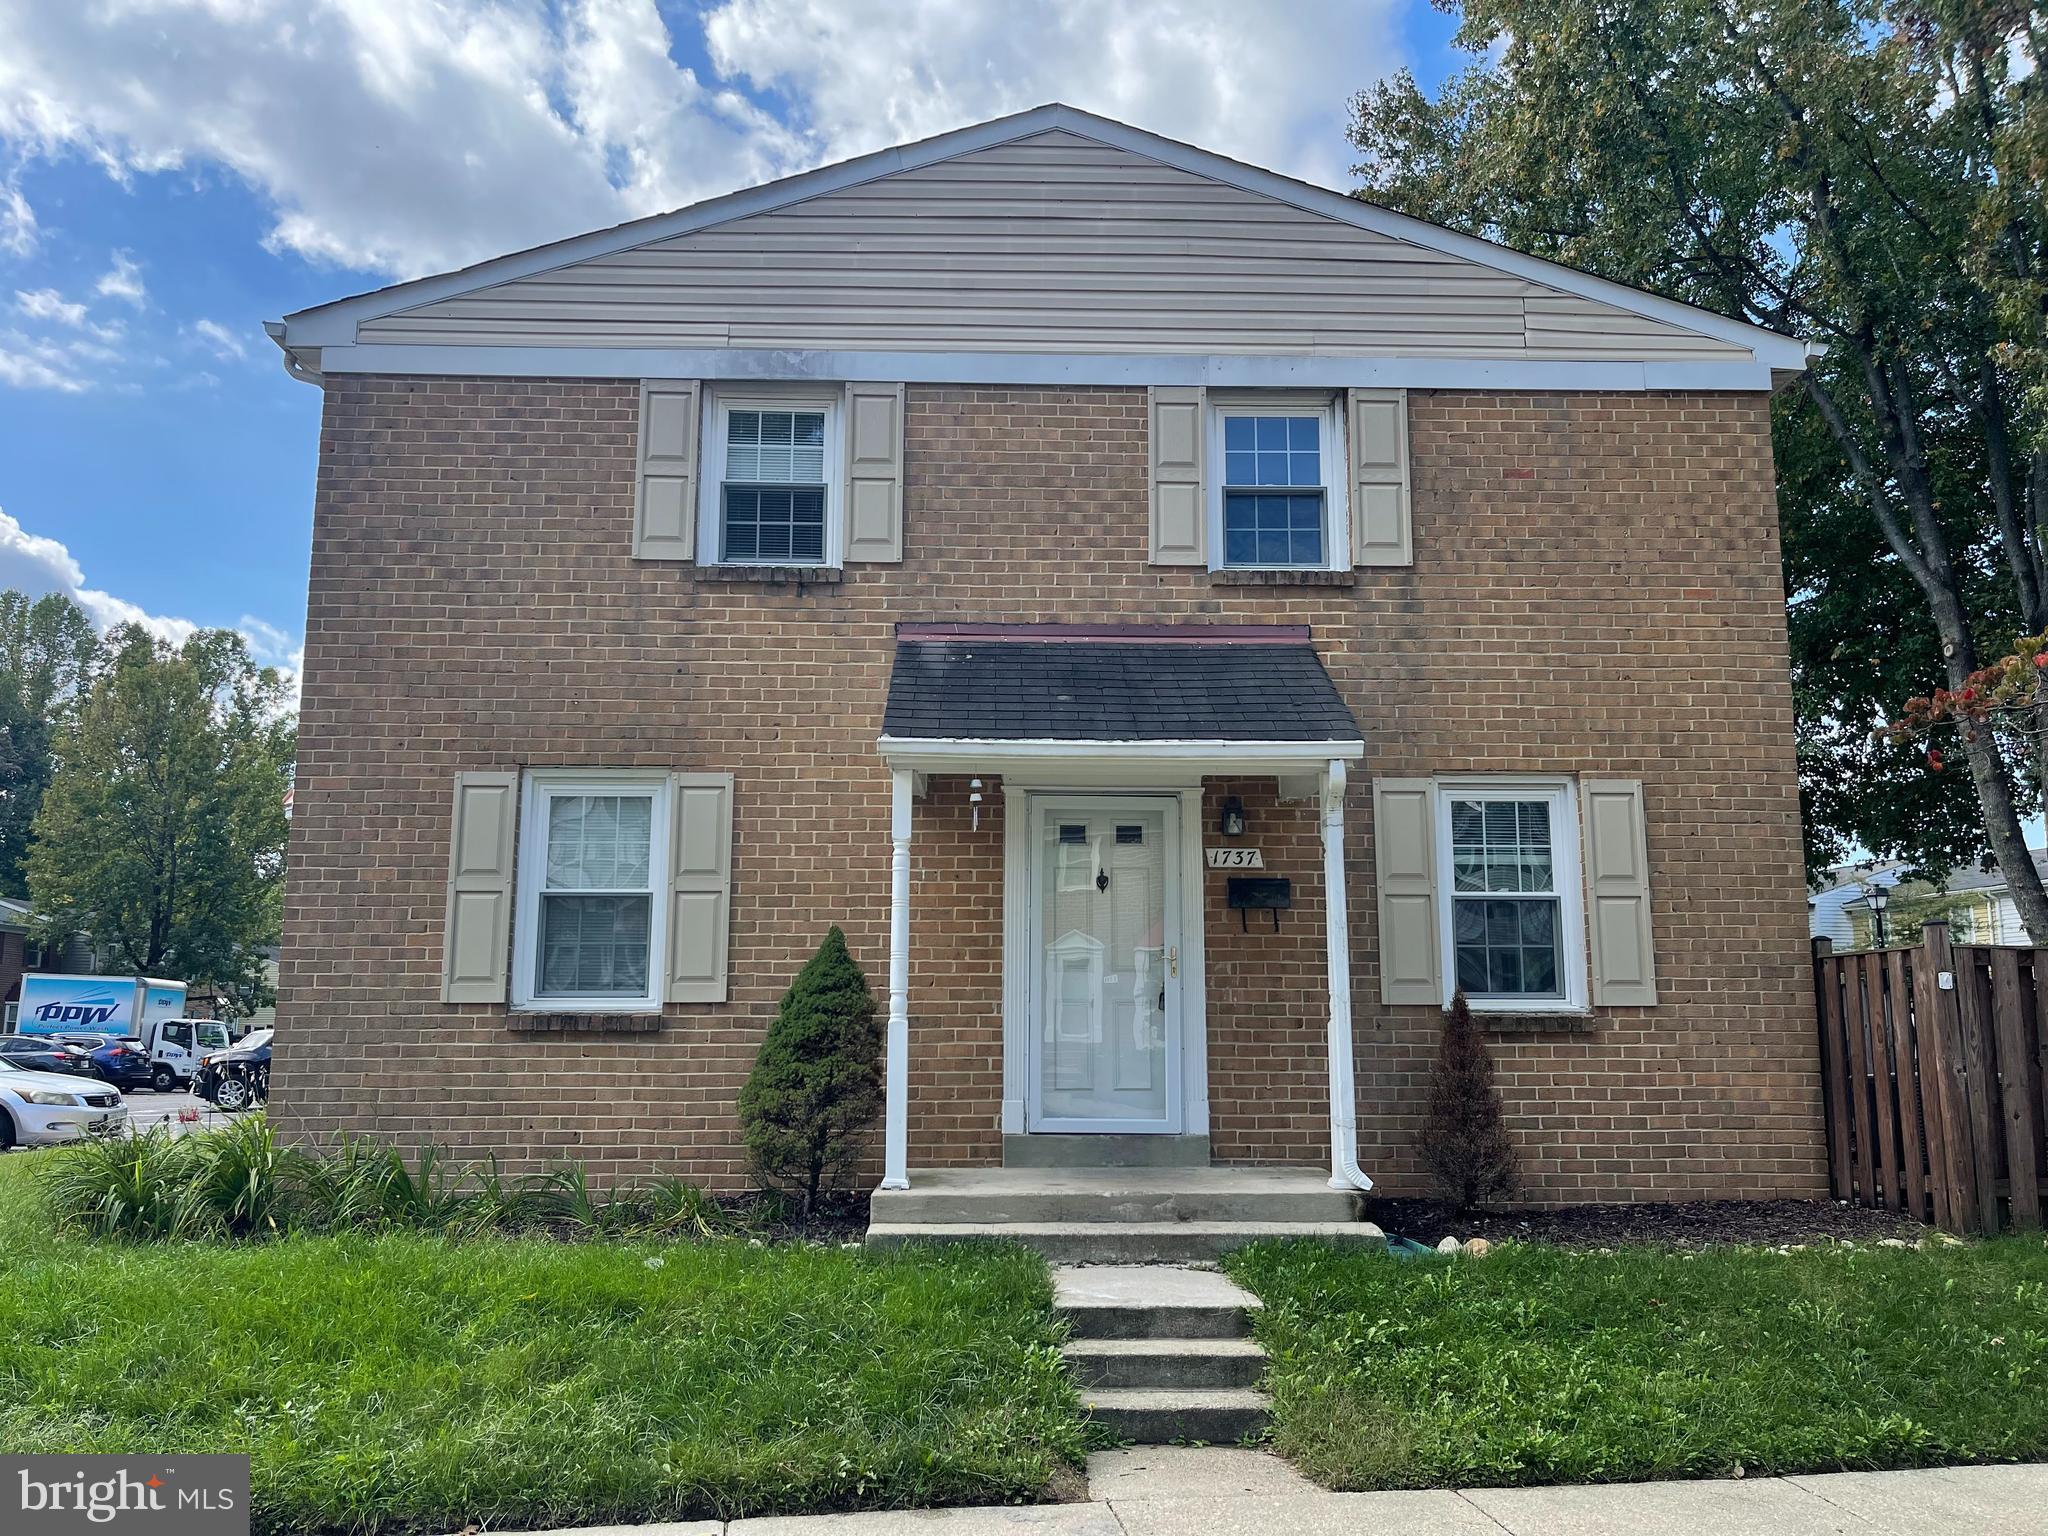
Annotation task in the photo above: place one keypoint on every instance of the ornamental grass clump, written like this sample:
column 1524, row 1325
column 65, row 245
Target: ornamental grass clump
column 1465, row 1137
column 816, row 1088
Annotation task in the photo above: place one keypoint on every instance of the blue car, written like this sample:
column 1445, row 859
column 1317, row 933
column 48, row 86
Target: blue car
column 116, row 1059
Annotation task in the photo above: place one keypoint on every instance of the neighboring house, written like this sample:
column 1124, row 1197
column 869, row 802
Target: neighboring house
column 945, row 545
column 1974, row 902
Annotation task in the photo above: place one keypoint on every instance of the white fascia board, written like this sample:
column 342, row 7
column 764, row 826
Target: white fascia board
column 1078, row 369
column 335, row 323
column 965, row 754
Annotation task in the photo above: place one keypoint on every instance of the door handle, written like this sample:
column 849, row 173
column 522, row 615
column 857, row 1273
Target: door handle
column 1173, row 961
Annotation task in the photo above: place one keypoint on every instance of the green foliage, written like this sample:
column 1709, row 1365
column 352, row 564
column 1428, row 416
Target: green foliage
column 1539, row 1365
column 162, row 833
column 1863, row 173
column 816, row 1086
column 397, row 1381
column 240, row 1181
column 48, row 654
column 1464, row 1136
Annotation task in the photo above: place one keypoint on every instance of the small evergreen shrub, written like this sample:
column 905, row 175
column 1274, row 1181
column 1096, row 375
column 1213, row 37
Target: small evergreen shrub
column 816, row 1087
column 1465, row 1137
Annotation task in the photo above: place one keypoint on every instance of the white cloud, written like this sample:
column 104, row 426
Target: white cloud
column 123, row 280
column 1264, row 82
column 469, row 128
column 37, row 564
column 49, row 304
column 222, row 342
column 18, row 233
column 29, row 363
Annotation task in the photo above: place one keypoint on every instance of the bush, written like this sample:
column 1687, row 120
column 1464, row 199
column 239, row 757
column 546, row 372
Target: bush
column 241, row 1181
column 1465, row 1137
column 817, row 1085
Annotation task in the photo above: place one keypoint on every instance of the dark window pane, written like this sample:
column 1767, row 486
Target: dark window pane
column 774, row 522
column 1503, row 922
column 1239, row 432
column 1303, row 437
column 1272, row 431
column 1240, row 468
column 1504, row 970
column 1539, row 971
column 1472, row 968
column 1468, row 922
column 1539, row 922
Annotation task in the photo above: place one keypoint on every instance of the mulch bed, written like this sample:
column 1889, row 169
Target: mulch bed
column 1691, row 1224
column 838, row 1218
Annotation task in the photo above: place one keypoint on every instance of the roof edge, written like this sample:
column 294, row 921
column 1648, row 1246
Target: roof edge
column 1110, row 634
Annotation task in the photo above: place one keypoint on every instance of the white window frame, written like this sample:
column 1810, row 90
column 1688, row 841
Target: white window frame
column 1562, row 795
column 1336, row 479
column 539, row 786
column 719, row 406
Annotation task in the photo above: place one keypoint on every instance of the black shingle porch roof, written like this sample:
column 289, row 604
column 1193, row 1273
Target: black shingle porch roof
column 1058, row 682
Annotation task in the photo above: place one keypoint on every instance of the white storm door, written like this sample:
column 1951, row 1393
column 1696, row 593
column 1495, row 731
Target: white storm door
column 1105, row 1039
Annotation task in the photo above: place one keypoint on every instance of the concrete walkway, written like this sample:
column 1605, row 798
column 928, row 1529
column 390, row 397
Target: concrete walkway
column 1166, row 1491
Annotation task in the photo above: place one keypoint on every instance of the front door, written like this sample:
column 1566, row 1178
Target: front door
column 1105, row 1004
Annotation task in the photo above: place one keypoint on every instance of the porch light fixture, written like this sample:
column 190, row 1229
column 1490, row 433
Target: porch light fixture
column 1878, row 899
column 1232, row 822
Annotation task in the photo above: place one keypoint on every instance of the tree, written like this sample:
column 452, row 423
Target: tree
column 1865, row 173
column 48, row 651
column 816, row 1086
column 162, row 833
column 1465, row 1137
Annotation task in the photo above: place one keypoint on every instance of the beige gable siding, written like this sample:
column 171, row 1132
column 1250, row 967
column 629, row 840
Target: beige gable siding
column 1052, row 243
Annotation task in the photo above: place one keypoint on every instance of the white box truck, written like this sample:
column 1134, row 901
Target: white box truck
column 107, row 1005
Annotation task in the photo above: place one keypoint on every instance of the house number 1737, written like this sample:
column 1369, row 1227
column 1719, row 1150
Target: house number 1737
column 1236, row 858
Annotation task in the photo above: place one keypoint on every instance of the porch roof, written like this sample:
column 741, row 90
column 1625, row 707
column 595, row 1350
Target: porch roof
column 1155, row 689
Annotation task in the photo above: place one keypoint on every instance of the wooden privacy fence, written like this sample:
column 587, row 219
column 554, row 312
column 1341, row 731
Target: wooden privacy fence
column 1932, row 1064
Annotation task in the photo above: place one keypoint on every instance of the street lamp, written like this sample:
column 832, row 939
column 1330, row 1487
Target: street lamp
column 1879, row 898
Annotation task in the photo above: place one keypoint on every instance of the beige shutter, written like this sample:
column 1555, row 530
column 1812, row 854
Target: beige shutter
column 1404, row 851
column 1379, row 478
column 874, row 472
column 665, row 503
column 1180, row 512
column 700, row 885
column 1618, row 892
column 476, row 933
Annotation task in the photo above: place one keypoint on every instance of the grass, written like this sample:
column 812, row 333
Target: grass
column 1538, row 1365
column 406, row 1381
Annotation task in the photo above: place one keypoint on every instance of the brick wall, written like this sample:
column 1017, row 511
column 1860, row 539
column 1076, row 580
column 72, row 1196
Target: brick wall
column 1596, row 590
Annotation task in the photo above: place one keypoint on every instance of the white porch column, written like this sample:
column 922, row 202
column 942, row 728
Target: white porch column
column 896, row 1083
column 1344, row 1170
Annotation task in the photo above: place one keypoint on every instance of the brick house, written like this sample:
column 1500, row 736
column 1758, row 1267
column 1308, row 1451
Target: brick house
column 1181, row 623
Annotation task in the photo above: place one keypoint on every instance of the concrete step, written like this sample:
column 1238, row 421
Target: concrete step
column 1131, row 1242
column 1050, row 1197
column 1157, row 1416
column 1177, row 1363
column 1146, row 1302
column 1044, row 1151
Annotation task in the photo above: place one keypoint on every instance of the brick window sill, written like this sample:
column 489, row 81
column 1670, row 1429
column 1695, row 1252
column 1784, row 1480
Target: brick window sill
column 1508, row 1022
column 585, row 1023
column 1228, row 578
column 797, row 576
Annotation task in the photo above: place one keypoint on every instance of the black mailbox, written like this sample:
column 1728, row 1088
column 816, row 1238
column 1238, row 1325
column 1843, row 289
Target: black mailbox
column 1262, row 892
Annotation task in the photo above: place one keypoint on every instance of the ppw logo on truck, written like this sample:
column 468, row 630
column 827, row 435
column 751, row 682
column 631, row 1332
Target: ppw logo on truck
column 88, row 1011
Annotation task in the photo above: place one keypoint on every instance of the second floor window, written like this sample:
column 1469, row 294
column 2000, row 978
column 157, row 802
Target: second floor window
column 772, row 477
column 1275, row 508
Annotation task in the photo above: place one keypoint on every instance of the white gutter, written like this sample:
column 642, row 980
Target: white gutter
column 969, row 754
column 1344, row 1170
column 293, row 367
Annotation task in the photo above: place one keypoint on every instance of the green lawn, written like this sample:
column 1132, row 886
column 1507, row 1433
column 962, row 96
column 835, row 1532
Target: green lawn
column 1538, row 1365
column 412, row 1383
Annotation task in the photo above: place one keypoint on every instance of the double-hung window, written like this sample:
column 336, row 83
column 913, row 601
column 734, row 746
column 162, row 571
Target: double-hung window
column 593, row 870
column 1508, row 882
column 1279, row 502
column 771, row 493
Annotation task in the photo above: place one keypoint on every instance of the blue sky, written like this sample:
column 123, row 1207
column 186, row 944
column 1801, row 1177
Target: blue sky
column 175, row 172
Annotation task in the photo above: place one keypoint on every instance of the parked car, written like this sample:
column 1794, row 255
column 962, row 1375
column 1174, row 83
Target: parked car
column 116, row 1058
column 236, row 1078
column 31, row 1053
column 41, row 1109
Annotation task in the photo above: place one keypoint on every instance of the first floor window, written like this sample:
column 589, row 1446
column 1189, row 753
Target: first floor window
column 1278, row 465
column 591, row 871
column 1509, row 884
column 769, row 482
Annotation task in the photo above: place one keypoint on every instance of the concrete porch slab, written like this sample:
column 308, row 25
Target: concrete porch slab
column 1039, row 1196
